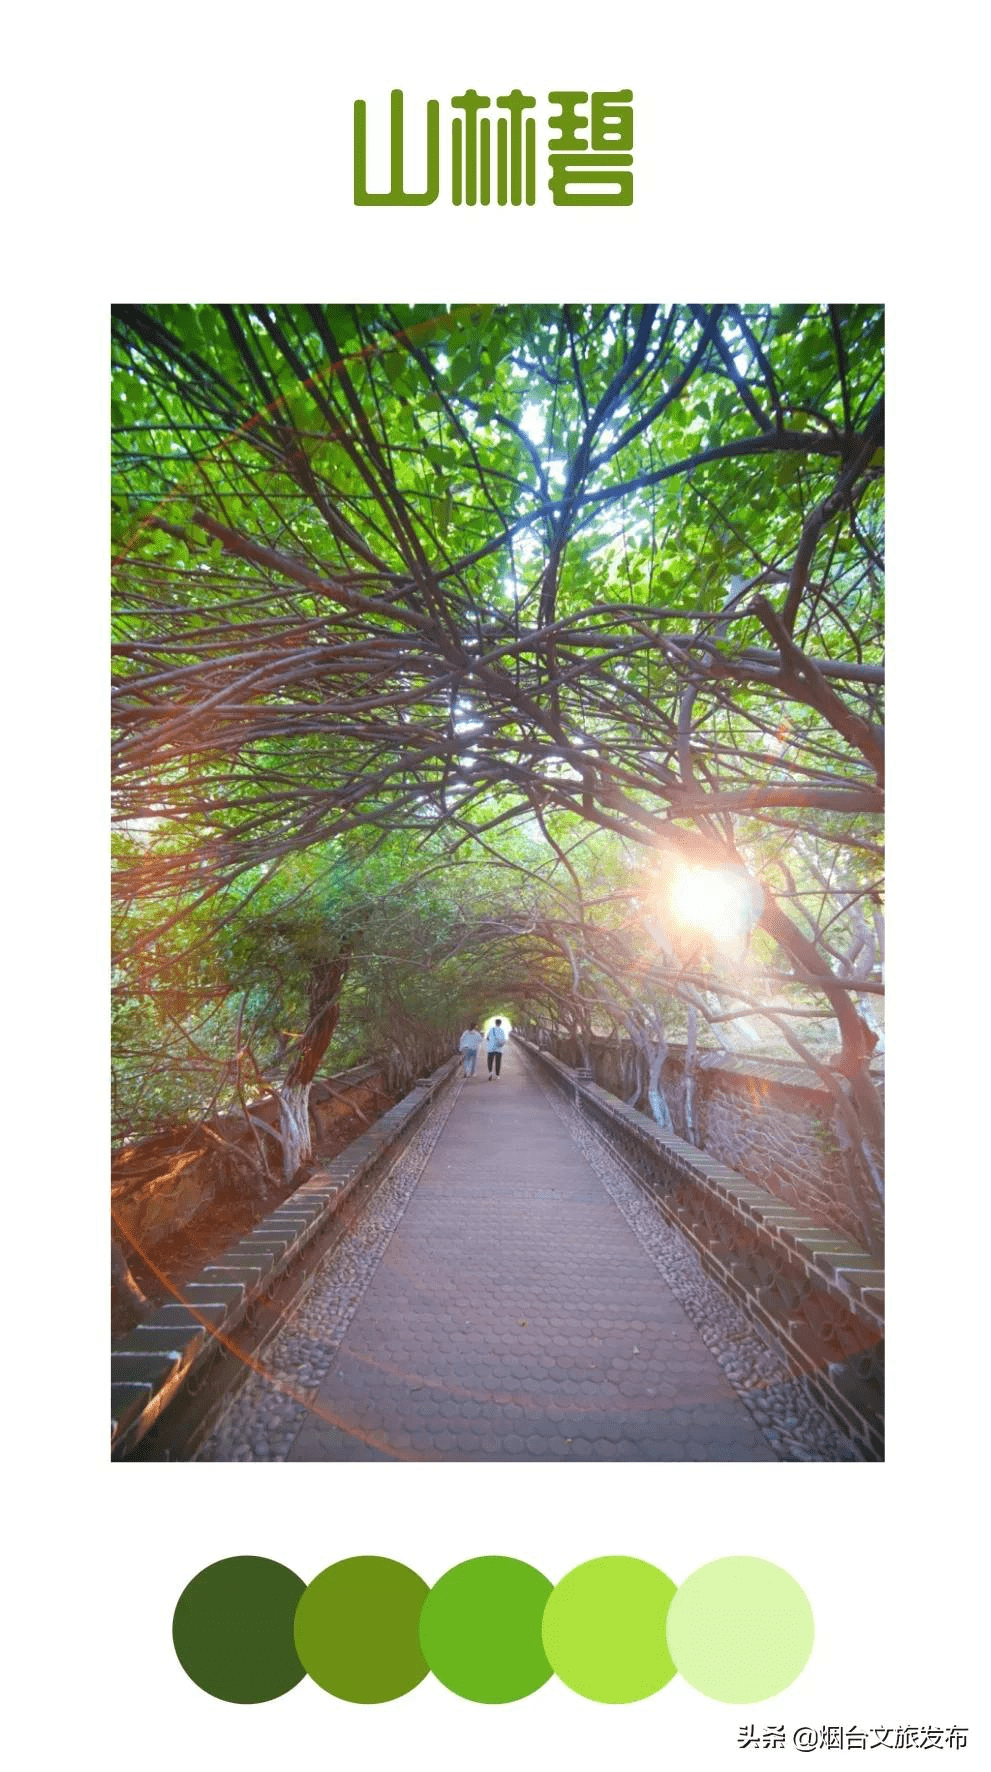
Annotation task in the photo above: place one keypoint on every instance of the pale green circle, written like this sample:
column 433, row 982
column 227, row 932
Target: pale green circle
column 740, row 1630
column 603, row 1629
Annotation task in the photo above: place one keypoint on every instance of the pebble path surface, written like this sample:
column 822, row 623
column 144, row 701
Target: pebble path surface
column 510, row 1293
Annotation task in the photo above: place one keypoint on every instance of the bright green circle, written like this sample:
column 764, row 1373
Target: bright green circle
column 356, row 1629
column 480, row 1629
column 740, row 1630
column 233, row 1629
column 603, row 1629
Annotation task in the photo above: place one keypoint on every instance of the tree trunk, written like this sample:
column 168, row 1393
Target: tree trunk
column 326, row 980
column 129, row 1301
column 655, row 1094
column 691, row 1060
column 870, row 1020
column 294, row 1127
column 857, row 1040
column 630, row 1073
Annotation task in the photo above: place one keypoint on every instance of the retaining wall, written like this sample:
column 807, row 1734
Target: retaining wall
column 171, row 1374
column 772, row 1119
column 161, row 1184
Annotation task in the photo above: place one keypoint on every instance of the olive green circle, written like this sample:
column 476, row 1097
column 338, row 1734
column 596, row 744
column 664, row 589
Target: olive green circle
column 233, row 1629
column 480, row 1630
column 740, row 1630
column 356, row 1629
column 603, row 1629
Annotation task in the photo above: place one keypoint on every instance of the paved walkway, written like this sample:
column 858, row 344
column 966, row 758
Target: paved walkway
column 515, row 1316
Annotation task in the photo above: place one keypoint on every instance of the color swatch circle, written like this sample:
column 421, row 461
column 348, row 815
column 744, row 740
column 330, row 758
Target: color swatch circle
column 603, row 1629
column 740, row 1630
column 493, row 1630
column 233, row 1629
column 356, row 1629
column 480, row 1629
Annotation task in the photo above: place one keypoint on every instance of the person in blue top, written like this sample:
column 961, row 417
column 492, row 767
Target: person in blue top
column 495, row 1040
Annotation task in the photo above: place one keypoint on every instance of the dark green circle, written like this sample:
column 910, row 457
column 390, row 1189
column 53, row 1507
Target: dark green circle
column 480, row 1629
column 233, row 1629
column 356, row 1629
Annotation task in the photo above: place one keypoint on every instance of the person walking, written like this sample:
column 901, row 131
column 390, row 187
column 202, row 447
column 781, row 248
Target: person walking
column 495, row 1040
column 468, row 1046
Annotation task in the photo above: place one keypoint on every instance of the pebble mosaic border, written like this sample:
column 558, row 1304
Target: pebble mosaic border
column 261, row 1422
column 782, row 1405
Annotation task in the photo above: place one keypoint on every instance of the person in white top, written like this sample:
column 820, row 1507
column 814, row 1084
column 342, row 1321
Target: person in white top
column 468, row 1046
column 495, row 1040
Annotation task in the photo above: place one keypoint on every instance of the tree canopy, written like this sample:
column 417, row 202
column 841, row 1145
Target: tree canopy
column 459, row 638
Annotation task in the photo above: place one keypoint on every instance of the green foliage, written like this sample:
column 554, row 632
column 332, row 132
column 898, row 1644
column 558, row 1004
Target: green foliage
column 410, row 601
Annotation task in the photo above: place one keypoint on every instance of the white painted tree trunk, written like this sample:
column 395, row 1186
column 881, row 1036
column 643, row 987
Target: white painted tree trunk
column 691, row 1058
column 655, row 1094
column 294, row 1127
column 870, row 1020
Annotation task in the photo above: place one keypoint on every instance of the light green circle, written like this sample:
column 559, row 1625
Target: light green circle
column 603, row 1630
column 740, row 1630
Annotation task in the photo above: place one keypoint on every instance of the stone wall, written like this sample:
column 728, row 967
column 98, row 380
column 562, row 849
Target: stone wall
column 771, row 1119
column 170, row 1374
column 162, row 1184
column 776, row 1123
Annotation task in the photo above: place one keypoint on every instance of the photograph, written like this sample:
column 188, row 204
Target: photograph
column 497, row 1024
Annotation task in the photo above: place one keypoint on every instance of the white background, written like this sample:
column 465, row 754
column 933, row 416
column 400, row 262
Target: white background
column 203, row 152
